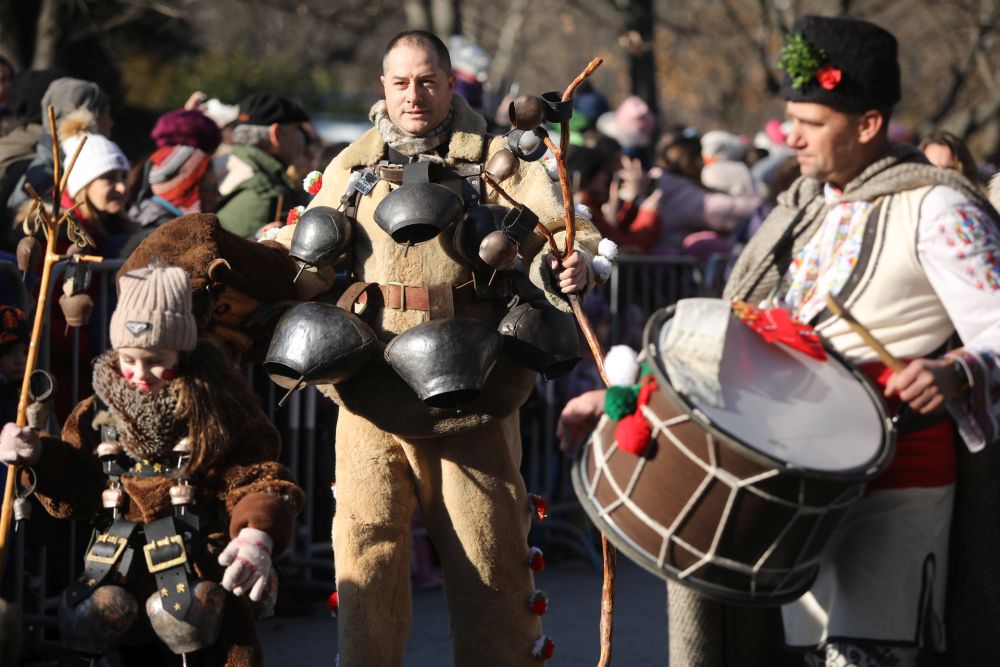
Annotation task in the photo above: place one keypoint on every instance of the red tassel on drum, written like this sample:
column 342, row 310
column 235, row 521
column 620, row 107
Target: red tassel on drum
column 633, row 433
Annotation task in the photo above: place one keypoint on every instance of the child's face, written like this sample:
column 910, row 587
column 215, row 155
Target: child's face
column 148, row 369
column 13, row 361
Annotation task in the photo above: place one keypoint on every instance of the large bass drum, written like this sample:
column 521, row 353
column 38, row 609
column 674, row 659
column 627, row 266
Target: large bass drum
column 738, row 501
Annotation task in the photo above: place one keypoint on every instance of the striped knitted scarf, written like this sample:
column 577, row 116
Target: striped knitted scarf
column 801, row 210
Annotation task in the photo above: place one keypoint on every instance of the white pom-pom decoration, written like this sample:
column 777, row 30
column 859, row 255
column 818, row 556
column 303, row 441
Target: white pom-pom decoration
column 602, row 267
column 607, row 248
column 583, row 211
column 621, row 365
column 551, row 166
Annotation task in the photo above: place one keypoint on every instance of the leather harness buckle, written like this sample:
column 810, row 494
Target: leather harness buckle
column 150, row 550
column 120, row 543
column 402, row 294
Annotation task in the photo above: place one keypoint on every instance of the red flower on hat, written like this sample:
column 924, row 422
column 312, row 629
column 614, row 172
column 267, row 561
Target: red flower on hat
column 333, row 603
column 539, row 603
column 540, row 506
column 829, row 76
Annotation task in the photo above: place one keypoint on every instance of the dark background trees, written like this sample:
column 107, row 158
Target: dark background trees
column 704, row 62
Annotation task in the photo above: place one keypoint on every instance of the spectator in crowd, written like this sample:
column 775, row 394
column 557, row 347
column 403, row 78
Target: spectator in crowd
column 616, row 198
column 268, row 138
column 631, row 124
column 178, row 176
column 68, row 97
column 96, row 187
column 687, row 207
column 23, row 127
column 945, row 150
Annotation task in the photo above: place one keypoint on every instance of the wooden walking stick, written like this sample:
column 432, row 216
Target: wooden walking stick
column 607, row 549
column 50, row 224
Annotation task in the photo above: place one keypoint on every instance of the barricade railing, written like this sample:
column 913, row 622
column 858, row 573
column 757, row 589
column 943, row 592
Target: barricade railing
column 638, row 286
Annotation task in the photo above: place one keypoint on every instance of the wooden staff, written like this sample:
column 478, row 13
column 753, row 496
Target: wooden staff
column 51, row 229
column 607, row 549
column 841, row 311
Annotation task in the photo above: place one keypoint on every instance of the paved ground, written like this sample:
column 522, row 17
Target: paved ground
column 574, row 592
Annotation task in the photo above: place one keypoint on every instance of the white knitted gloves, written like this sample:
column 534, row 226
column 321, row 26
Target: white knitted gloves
column 248, row 563
column 19, row 442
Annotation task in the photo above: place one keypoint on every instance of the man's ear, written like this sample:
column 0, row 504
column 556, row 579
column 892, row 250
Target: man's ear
column 274, row 134
column 870, row 124
column 451, row 82
column 382, row 80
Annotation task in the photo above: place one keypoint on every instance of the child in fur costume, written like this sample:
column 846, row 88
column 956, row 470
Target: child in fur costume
column 172, row 431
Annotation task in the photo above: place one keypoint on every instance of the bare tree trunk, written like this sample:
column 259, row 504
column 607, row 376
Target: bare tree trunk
column 444, row 17
column 961, row 75
column 47, row 35
column 417, row 16
column 10, row 34
column 639, row 25
column 508, row 42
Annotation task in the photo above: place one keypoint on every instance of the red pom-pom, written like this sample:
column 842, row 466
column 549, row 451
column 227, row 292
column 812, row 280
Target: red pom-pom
column 829, row 76
column 333, row 603
column 633, row 433
column 544, row 648
column 540, row 506
column 313, row 182
column 294, row 215
column 539, row 603
column 536, row 559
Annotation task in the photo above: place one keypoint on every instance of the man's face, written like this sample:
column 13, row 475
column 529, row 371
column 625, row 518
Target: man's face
column 826, row 142
column 417, row 90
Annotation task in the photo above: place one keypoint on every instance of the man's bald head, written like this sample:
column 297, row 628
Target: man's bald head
column 420, row 39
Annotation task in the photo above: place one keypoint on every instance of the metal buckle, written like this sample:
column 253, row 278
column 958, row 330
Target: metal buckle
column 120, row 544
column 159, row 544
column 402, row 294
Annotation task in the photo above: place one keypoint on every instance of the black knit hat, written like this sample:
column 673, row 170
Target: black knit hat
column 268, row 108
column 846, row 64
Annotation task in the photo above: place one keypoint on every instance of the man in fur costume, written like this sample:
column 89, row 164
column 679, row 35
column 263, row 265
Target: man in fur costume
column 177, row 467
column 913, row 251
column 395, row 453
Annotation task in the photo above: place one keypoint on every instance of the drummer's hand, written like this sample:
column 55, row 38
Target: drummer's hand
column 571, row 272
column 18, row 443
column 579, row 418
column 926, row 384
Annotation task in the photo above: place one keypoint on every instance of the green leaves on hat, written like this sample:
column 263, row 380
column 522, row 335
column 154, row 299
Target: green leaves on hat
column 801, row 60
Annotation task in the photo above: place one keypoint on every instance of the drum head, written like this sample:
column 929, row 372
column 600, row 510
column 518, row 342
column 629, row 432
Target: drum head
column 821, row 418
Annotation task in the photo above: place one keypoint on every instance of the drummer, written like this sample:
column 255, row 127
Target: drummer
column 915, row 253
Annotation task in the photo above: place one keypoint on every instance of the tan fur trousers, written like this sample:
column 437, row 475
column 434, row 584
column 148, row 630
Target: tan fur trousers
column 475, row 509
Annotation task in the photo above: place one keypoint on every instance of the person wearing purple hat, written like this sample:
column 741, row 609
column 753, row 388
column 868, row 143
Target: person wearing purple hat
column 178, row 178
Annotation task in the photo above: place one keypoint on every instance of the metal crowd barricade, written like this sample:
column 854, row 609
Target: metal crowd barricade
column 638, row 286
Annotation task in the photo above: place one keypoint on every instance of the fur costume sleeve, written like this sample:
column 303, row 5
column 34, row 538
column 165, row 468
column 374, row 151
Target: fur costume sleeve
column 531, row 186
column 69, row 476
column 258, row 491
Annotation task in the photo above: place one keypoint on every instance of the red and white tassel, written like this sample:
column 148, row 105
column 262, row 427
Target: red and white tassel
column 544, row 647
column 539, row 505
column 536, row 559
column 538, row 604
column 313, row 182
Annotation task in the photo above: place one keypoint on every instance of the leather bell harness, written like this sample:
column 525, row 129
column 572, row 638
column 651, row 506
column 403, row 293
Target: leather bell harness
column 168, row 540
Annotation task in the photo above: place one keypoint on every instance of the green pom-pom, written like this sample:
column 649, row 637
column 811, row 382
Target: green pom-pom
column 644, row 370
column 620, row 401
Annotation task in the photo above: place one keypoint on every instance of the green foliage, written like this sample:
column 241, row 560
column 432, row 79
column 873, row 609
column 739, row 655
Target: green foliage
column 801, row 60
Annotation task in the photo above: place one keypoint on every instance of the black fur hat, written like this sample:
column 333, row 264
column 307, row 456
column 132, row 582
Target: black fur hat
column 847, row 64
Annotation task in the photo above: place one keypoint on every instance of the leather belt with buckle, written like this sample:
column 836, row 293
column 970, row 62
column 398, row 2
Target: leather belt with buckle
column 164, row 553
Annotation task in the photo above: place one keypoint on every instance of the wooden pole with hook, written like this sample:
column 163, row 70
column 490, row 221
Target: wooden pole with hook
column 607, row 549
column 51, row 227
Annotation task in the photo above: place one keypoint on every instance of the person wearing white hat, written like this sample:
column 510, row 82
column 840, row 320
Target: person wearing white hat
column 97, row 187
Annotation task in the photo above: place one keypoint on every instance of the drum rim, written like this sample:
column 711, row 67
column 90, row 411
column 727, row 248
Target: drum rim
column 865, row 473
column 643, row 559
